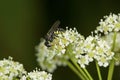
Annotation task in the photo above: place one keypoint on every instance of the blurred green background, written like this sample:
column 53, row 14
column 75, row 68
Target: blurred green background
column 24, row 22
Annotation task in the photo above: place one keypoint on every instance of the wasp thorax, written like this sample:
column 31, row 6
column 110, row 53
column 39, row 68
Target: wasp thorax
column 51, row 33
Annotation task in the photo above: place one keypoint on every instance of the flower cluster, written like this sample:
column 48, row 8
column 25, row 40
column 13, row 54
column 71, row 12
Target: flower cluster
column 11, row 70
column 51, row 57
column 109, row 39
column 70, row 44
column 64, row 39
column 69, row 47
column 94, row 48
column 37, row 75
column 110, row 23
column 110, row 26
column 44, row 60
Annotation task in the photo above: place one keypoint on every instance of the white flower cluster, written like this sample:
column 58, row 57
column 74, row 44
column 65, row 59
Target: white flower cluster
column 70, row 44
column 94, row 48
column 43, row 59
column 109, row 26
column 10, row 70
column 51, row 57
column 37, row 75
column 110, row 23
column 109, row 39
column 64, row 39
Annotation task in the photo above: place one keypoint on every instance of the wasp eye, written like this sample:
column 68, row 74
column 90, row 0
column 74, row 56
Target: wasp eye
column 47, row 44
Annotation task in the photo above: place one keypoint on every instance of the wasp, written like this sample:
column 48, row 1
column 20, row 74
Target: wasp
column 50, row 35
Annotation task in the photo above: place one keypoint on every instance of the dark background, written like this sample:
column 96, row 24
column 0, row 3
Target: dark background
column 24, row 22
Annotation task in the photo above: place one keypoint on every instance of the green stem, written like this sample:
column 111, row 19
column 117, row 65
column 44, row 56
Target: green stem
column 114, row 41
column 98, row 71
column 111, row 67
column 111, row 70
column 80, row 70
column 88, row 74
column 75, row 70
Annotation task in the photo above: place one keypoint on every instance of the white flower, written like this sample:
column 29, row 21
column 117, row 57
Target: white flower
column 94, row 48
column 103, row 53
column 85, row 51
column 47, row 58
column 109, row 39
column 83, row 60
column 110, row 23
column 62, row 48
column 10, row 70
column 37, row 75
column 64, row 38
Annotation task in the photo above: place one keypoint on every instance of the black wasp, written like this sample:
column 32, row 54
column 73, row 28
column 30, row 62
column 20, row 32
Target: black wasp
column 50, row 35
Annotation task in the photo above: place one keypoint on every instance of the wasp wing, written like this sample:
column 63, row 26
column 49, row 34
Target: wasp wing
column 53, row 28
column 50, row 33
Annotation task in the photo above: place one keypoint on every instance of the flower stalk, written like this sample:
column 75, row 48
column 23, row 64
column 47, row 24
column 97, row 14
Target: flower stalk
column 76, row 71
column 80, row 70
column 88, row 74
column 111, row 67
column 98, row 71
